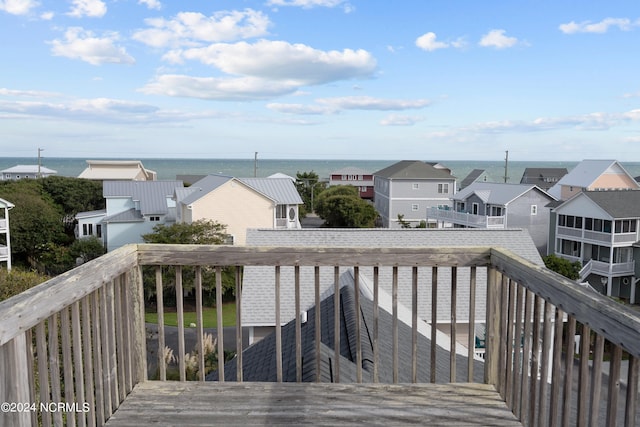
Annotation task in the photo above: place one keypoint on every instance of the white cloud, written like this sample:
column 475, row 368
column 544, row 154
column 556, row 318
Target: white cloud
column 221, row 89
column 47, row 16
column 84, row 45
column 91, row 8
column 151, row 4
column 282, row 61
column 308, row 4
column 428, row 42
column 631, row 95
column 27, row 93
column 325, row 106
column 601, row 27
column 371, row 103
column 498, row 40
column 302, row 109
column 192, row 28
column 18, row 7
column 400, row 120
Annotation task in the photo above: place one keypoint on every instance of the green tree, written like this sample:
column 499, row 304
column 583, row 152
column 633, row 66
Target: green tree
column 16, row 281
column 36, row 221
column 202, row 232
column 309, row 187
column 341, row 206
column 73, row 195
column 86, row 249
column 568, row 269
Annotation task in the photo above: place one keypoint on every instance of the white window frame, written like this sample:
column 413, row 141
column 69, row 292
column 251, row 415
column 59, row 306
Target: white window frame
column 534, row 209
column 415, row 207
column 415, row 186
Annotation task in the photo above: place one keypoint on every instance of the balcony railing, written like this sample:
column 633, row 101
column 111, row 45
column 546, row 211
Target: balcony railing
column 79, row 341
column 466, row 219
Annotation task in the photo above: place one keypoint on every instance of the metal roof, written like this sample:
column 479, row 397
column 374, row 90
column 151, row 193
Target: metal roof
column 586, row 172
column 152, row 195
column 496, row 193
column 472, row 177
column 202, row 187
column 28, row 169
column 281, row 190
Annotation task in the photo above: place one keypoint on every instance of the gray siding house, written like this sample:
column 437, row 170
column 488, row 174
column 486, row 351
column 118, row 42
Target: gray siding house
column 408, row 188
column 600, row 230
column 497, row 205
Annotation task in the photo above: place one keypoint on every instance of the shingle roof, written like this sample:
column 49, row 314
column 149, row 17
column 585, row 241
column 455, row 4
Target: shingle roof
column 544, row 178
column 496, row 193
column 350, row 170
column 413, row 169
column 472, row 177
column 617, row 203
column 281, row 190
column 259, row 363
column 152, row 195
column 258, row 282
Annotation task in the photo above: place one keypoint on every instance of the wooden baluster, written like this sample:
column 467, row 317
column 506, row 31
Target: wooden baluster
column 434, row 324
column 220, row 325
column 200, row 325
column 471, row 344
column 278, row 327
column 452, row 344
column 162, row 363
column 568, row 373
column 556, row 369
column 180, row 314
column 317, row 324
column 596, row 380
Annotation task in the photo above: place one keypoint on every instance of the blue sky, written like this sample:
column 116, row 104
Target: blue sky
column 321, row 79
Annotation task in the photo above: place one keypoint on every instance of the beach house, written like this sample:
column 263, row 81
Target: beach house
column 359, row 178
column 407, row 188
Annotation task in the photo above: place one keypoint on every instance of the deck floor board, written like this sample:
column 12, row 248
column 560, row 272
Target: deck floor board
column 155, row 403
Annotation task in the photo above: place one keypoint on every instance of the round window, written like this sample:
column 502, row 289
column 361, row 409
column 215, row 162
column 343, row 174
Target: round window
column 292, row 214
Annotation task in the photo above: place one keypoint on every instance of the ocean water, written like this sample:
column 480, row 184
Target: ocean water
column 170, row 168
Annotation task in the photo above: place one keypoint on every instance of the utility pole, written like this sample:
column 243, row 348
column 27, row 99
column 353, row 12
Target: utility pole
column 255, row 164
column 506, row 166
column 39, row 162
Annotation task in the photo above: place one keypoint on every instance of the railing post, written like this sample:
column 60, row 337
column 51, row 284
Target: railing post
column 15, row 385
column 492, row 338
column 136, row 287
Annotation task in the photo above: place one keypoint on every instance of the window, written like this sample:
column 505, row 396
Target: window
column 85, row 229
column 570, row 221
column 415, row 207
column 443, row 188
column 625, row 226
column 534, row 209
column 569, row 247
column 474, row 209
column 99, row 230
column 281, row 211
column 154, row 218
column 415, row 186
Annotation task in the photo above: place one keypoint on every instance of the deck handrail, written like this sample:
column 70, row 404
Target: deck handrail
column 90, row 323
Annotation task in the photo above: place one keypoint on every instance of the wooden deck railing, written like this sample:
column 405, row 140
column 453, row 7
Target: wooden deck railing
column 73, row 348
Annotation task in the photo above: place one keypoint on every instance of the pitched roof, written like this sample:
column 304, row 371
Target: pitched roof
column 130, row 215
column 544, row 178
column 471, row 177
column 258, row 281
column 281, row 190
column 203, row 187
column 413, row 169
column 617, row 203
column 28, row 169
column 497, row 193
column 259, row 363
column 585, row 173
column 116, row 170
column 350, row 170
column 152, row 195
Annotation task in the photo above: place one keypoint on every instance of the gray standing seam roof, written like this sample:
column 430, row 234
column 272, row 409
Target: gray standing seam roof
column 203, row 187
column 281, row 190
column 152, row 195
column 497, row 193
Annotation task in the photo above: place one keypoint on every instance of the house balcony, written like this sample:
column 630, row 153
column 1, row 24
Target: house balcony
column 597, row 237
column 466, row 219
column 74, row 349
column 608, row 269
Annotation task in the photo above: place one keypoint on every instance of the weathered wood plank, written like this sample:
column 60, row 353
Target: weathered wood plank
column 27, row 309
column 157, row 254
column 618, row 323
column 196, row 403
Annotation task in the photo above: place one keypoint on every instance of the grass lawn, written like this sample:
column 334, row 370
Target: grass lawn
column 209, row 317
